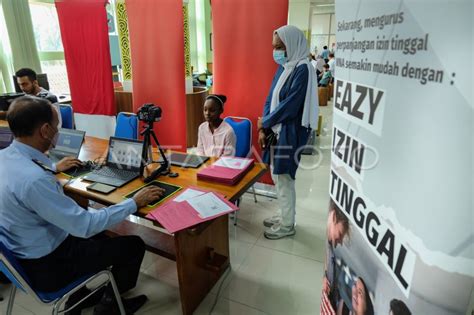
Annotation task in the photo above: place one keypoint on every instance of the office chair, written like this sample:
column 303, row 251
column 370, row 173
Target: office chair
column 127, row 126
column 42, row 81
column 243, row 132
column 13, row 270
column 67, row 116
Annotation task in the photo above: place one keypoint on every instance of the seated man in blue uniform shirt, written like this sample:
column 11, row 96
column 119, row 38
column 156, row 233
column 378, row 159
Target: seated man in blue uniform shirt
column 49, row 232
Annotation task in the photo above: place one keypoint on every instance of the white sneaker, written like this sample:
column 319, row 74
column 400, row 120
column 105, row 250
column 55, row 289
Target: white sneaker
column 269, row 222
column 278, row 231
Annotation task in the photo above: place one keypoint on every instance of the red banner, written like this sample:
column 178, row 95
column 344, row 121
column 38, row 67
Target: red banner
column 157, row 49
column 243, row 59
column 85, row 38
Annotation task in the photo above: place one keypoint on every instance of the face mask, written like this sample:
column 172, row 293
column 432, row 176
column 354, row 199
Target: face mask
column 54, row 140
column 279, row 56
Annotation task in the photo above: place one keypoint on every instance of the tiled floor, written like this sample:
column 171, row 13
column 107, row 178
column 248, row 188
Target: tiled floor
column 267, row 277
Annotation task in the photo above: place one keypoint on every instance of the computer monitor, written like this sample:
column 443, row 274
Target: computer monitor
column 42, row 79
column 6, row 137
column 7, row 99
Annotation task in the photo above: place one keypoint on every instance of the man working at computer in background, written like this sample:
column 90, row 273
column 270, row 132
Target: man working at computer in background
column 28, row 83
column 49, row 232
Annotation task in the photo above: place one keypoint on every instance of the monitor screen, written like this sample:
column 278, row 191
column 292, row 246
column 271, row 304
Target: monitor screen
column 6, row 137
column 127, row 153
column 69, row 141
column 7, row 99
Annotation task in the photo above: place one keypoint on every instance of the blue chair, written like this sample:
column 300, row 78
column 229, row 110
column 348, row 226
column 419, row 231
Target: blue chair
column 67, row 116
column 15, row 273
column 127, row 126
column 243, row 132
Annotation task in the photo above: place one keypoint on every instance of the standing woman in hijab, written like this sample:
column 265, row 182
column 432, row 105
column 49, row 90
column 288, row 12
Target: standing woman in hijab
column 290, row 112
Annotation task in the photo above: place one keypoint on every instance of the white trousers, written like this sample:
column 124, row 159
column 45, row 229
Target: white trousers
column 286, row 194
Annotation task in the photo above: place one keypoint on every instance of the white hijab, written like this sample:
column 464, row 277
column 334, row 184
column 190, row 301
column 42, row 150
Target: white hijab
column 297, row 52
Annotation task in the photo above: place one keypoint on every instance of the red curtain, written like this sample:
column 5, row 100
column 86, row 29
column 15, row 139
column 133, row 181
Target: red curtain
column 243, row 61
column 85, row 38
column 157, row 50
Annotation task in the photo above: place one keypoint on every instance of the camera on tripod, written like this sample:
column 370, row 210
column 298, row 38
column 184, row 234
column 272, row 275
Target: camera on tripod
column 149, row 113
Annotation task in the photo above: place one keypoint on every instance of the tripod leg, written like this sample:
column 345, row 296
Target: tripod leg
column 146, row 142
column 165, row 160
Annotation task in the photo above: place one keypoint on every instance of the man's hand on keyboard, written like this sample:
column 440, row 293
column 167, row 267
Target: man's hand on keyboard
column 67, row 163
column 147, row 195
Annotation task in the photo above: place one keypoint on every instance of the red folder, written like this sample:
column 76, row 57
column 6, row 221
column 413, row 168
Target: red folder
column 225, row 175
column 177, row 216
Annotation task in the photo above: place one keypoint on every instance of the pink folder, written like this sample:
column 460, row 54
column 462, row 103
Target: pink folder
column 177, row 216
column 224, row 175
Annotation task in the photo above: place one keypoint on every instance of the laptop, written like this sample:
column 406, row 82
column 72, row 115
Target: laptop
column 187, row 160
column 7, row 99
column 69, row 144
column 6, row 137
column 122, row 164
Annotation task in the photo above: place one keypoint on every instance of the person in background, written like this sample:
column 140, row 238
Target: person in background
column 313, row 61
column 325, row 53
column 319, row 65
column 28, row 83
column 53, row 237
column 338, row 229
column 215, row 136
column 289, row 114
column 325, row 76
column 397, row 307
column 332, row 65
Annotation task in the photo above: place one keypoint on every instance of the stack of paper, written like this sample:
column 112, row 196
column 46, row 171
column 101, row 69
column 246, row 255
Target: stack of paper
column 226, row 170
column 191, row 207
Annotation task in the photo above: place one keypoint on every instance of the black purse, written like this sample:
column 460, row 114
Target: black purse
column 270, row 138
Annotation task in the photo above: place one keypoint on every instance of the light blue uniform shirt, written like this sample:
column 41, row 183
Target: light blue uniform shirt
column 325, row 54
column 35, row 214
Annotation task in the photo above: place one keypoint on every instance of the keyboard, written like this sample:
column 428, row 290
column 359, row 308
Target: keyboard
column 80, row 170
column 115, row 172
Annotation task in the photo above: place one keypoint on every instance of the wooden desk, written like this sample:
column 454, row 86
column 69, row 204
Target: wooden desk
column 4, row 123
column 201, row 252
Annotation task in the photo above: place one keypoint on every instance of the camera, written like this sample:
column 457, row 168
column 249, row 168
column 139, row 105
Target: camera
column 149, row 113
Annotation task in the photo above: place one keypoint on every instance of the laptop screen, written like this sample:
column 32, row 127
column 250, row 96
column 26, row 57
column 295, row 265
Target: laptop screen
column 6, row 137
column 124, row 152
column 69, row 142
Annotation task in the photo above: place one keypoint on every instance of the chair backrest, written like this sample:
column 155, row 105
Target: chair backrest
column 42, row 79
column 243, row 132
column 127, row 126
column 67, row 115
column 10, row 267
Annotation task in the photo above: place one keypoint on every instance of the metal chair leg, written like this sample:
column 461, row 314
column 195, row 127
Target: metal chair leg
column 117, row 294
column 237, row 203
column 254, row 194
column 11, row 300
column 235, row 217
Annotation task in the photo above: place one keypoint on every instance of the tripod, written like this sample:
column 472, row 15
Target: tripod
column 147, row 157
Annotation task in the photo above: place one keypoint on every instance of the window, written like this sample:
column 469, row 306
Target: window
column 323, row 31
column 49, row 45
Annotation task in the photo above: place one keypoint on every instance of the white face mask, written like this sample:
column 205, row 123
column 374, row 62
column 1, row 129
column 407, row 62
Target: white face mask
column 54, row 140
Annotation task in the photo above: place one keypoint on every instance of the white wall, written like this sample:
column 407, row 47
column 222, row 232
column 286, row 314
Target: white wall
column 299, row 14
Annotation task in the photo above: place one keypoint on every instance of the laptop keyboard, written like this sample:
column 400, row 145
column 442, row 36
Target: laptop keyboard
column 115, row 172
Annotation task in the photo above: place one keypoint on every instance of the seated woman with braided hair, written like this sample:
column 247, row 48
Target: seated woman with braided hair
column 215, row 136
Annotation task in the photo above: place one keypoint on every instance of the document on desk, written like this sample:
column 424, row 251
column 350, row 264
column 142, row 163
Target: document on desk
column 208, row 205
column 185, row 211
column 234, row 163
column 188, row 194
